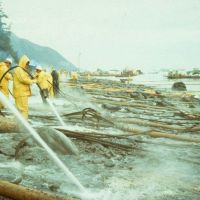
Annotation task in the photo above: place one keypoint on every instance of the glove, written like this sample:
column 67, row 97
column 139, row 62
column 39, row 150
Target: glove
column 34, row 81
column 44, row 93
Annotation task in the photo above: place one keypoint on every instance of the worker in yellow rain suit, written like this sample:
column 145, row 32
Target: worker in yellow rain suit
column 56, row 81
column 21, row 86
column 42, row 81
column 50, row 83
column 88, row 76
column 74, row 76
column 4, row 66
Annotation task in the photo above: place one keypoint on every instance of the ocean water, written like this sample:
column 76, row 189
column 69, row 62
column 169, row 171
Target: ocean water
column 160, row 81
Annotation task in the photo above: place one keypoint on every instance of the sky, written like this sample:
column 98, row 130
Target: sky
column 112, row 34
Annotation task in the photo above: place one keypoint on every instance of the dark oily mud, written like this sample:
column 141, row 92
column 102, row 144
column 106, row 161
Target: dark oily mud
column 149, row 168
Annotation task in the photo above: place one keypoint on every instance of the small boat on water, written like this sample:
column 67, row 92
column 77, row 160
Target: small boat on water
column 129, row 73
column 194, row 74
column 183, row 76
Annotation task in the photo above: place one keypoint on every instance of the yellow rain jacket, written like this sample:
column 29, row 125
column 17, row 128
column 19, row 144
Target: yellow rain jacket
column 74, row 76
column 21, row 80
column 21, row 86
column 50, row 83
column 42, row 80
column 4, row 83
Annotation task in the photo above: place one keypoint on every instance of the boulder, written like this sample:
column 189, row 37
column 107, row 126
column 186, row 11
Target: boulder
column 111, row 108
column 137, row 96
column 179, row 86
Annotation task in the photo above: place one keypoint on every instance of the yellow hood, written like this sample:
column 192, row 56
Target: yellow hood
column 23, row 60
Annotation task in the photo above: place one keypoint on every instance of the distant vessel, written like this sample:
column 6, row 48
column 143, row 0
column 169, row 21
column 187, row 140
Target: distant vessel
column 129, row 73
column 178, row 75
column 182, row 76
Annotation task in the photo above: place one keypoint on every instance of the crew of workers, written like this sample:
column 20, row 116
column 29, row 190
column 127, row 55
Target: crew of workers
column 22, row 81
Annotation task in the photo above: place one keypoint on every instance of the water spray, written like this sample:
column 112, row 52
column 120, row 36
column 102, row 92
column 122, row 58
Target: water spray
column 55, row 112
column 53, row 156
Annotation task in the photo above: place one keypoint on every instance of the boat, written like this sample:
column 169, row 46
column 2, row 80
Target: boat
column 182, row 75
column 129, row 73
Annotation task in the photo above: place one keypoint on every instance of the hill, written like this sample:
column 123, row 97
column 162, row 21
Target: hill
column 40, row 55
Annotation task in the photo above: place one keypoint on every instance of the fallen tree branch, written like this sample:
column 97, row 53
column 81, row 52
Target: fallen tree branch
column 157, row 134
column 152, row 124
column 173, row 136
column 135, row 105
column 189, row 116
column 97, row 139
column 150, row 132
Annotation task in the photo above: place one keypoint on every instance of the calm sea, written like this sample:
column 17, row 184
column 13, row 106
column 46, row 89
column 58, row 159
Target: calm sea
column 160, row 81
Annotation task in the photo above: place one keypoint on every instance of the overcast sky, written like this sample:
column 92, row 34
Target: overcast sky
column 148, row 34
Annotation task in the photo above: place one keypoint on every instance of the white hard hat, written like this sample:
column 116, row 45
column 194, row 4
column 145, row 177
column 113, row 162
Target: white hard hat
column 9, row 60
column 39, row 68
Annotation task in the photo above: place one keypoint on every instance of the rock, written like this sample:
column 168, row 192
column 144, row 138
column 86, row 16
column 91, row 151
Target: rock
column 179, row 86
column 137, row 96
column 54, row 187
column 109, row 163
column 187, row 99
column 161, row 103
column 108, row 155
column 111, row 108
column 158, row 92
column 97, row 161
column 191, row 106
column 100, row 148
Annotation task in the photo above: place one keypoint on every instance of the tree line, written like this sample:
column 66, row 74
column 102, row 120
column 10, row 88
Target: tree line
column 5, row 33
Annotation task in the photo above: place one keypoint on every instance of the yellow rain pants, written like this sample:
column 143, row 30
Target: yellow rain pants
column 22, row 105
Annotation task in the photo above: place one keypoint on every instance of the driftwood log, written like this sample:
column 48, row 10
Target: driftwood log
column 8, row 125
column 148, row 124
column 152, row 124
column 157, row 134
column 18, row 192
